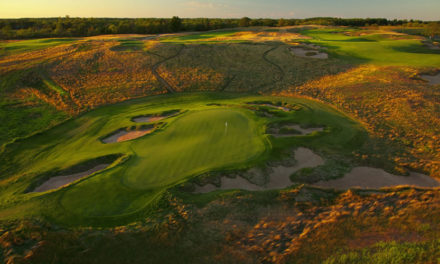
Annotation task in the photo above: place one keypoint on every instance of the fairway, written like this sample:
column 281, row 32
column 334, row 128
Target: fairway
column 206, row 133
column 379, row 49
column 16, row 47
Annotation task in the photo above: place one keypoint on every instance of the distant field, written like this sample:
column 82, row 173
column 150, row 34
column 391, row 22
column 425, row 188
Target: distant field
column 204, row 37
column 380, row 49
column 19, row 46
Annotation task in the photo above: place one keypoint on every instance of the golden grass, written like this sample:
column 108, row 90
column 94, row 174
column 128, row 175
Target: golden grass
column 393, row 104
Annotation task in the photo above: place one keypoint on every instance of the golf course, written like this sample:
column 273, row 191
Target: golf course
column 294, row 142
column 206, row 132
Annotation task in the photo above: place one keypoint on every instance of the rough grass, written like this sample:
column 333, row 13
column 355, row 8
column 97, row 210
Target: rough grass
column 395, row 106
column 44, row 82
column 79, row 79
column 392, row 252
column 299, row 225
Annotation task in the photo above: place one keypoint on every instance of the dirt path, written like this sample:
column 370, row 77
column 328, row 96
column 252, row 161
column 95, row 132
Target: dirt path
column 167, row 86
column 372, row 178
column 282, row 73
column 227, row 83
column 279, row 176
column 60, row 181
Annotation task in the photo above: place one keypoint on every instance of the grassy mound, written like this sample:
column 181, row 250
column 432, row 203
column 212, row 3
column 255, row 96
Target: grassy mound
column 213, row 132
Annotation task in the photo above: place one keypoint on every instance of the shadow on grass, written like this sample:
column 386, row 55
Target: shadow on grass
column 416, row 48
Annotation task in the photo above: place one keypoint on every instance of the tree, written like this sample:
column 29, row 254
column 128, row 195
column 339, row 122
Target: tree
column 112, row 29
column 282, row 22
column 6, row 32
column 59, row 29
column 175, row 24
column 244, row 22
column 433, row 29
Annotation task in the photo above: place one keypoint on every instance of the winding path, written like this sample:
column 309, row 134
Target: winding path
column 167, row 86
column 282, row 73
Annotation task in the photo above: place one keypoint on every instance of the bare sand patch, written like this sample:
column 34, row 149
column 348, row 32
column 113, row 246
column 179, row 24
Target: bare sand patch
column 373, row 178
column 283, row 108
column 308, row 53
column 147, row 119
column 432, row 79
column 133, row 134
column 124, row 135
column 303, row 131
column 154, row 117
column 60, row 181
column 279, row 176
column 432, row 45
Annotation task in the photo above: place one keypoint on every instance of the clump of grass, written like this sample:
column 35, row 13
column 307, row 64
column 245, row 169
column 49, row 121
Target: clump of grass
column 311, row 53
column 391, row 252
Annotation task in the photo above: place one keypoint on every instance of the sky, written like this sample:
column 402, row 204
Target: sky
column 400, row 9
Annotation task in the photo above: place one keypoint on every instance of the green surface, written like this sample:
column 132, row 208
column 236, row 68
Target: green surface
column 14, row 47
column 191, row 143
column 380, row 49
column 202, row 37
column 129, row 45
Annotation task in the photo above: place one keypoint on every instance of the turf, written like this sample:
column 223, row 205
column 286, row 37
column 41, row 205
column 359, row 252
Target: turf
column 14, row 47
column 199, row 37
column 194, row 142
column 375, row 49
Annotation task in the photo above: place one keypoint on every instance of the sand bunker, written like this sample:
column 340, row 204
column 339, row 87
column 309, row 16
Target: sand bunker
column 60, row 181
column 148, row 119
column 432, row 79
column 307, row 53
column 279, row 106
column 279, row 176
column 154, row 117
column 303, row 131
column 285, row 109
column 124, row 135
column 432, row 46
column 372, row 178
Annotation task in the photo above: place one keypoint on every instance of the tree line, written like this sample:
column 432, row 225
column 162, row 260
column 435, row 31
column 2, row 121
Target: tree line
column 24, row 28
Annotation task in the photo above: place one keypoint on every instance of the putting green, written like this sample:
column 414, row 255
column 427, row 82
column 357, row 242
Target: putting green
column 195, row 142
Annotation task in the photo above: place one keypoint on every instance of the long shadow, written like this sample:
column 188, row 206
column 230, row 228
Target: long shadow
column 415, row 48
